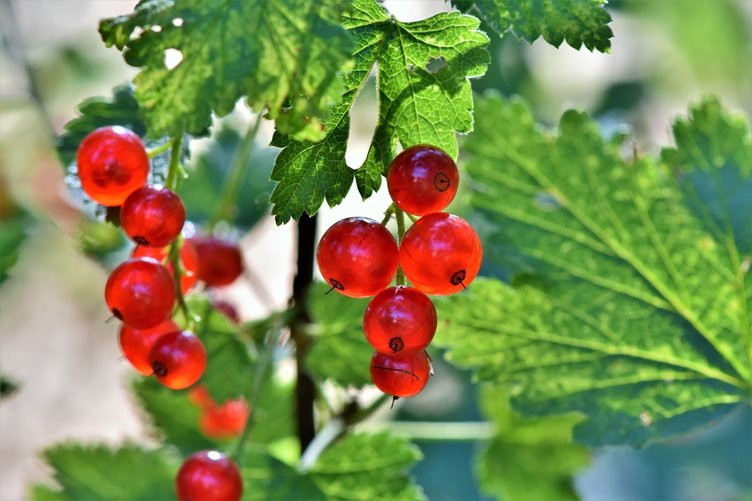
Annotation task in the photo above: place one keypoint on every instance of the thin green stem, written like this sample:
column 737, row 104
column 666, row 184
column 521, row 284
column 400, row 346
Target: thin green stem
column 232, row 182
column 412, row 218
column 177, row 272
column 400, row 233
column 175, row 170
column 159, row 149
column 388, row 213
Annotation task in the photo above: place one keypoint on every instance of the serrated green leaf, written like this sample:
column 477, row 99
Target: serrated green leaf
column 284, row 55
column 528, row 458
column 340, row 351
column 98, row 472
column 640, row 319
column 209, row 171
column 120, row 109
column 365, row 467
column 172, row 415
column 578, row 22
column 424, row 97
column 273, row 480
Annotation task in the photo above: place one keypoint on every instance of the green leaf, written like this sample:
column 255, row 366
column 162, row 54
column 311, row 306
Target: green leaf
column 120, row 109
column 284, row 55
column 639, row 318
column 424, row 97
column 365, row 467
column 8, row 386
column 713, row 163
column 172, row 415
column 579, row 22
column 98, row 472
column 209, row 172
column 273, row 480
column 528, row 458
column 14, row 227
column 340, row 351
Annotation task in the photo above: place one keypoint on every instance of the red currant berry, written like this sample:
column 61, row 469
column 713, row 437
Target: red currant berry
column 208, row 476
column 136, row 344
column 422, row 179
column 400, row 376
column 199, row 396
column 188, row 261
column 441, row 254
column 140, row 292
column 357, row 256
column 152, row 216
column 400, row 320
column 224, row 421
column 219, row 262
column 227, row 309
column 178, row 359
column 112, row 163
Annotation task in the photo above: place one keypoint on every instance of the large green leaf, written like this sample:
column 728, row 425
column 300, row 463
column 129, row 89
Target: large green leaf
column 340, row 351
column 638, row 318
column 528, row 458
column 94, row 473
column 284, row 55
column 15, row 223
column 578, row 22
column 424, row 97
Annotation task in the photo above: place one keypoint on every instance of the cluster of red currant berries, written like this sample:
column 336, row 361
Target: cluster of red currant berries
column 113, row 168
column 439, row 254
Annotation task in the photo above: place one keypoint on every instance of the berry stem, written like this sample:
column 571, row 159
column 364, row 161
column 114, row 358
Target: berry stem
column 158, row 150
column 400, row 233
column 388, row 213
column 177, row 267
column 232, row 182
column 175, row 170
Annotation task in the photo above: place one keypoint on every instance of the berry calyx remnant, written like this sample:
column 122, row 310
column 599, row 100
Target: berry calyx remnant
column 112, row 163
column 400, row 376
column 152, row 216
column 400, row 320
column 140, row 292
column 188, row 261
column 219, row 262
column 422, row 179
column 357, row 257
column 441, row 254
column 178, row 359
column 136, row 344
column 208, row 476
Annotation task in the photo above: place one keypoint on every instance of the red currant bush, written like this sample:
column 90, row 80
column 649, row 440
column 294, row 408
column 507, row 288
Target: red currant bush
column 400, row 320
column 178, row 359
column 136, row 344
column 152, row 216
column 422, row 179
column 208, row 476
column 400, row 376
column 140, row 292
column 441, row 254
column 188, row 261
column 219, row 262
column 112, row 163
column 357, row 256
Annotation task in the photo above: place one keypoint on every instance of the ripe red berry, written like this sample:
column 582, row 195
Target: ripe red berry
column 140, row 292
column 227, row 309
column 199, row 396
column 152, row 216
column 111, row 163
column 400, row 320
column 400, row 376
column 208, row 476
column 224, row 421
column 357, row 256
column 136, row 344
column 219, row 262
column 422, row 179
column 441, row 254
column 188, row 261
column 178, row 359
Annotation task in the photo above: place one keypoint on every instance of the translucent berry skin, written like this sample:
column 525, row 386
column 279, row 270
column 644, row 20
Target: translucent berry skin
column 441, row 254
column 140, row 292
column 112, row 163
column 208, row 476
column 219, row 262
column 136, row 344
column 188, row 261
column 224, row 421
column 400, row 320
column 152, row 216
column 422, row 179
column 178, row 359
column 358, row 257
column 400, row 376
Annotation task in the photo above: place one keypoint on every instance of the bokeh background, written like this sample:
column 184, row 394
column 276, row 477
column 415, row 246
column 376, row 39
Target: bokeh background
column 55, row 344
